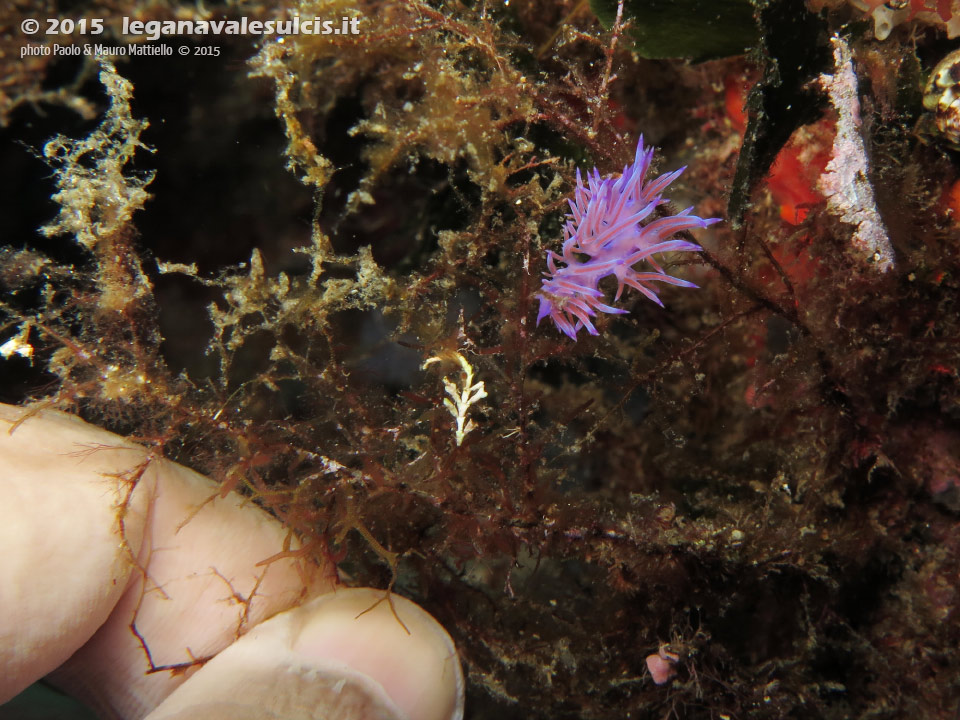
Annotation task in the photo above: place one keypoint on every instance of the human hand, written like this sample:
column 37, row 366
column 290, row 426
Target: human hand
column 132, row 584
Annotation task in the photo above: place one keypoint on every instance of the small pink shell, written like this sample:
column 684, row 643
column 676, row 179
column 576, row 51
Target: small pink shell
column 661, row 669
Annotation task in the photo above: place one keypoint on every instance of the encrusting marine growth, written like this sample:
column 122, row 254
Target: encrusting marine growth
column 605, row 224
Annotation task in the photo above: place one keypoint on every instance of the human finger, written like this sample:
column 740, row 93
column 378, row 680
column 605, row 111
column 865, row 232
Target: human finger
column 123, row 570
column 71, row 524
column 354, row 654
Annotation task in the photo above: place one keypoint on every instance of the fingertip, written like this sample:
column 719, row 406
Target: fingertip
column 348, row 655
column 391, row 640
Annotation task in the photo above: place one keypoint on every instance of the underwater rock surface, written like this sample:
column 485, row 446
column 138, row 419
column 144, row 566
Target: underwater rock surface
column 266, row 263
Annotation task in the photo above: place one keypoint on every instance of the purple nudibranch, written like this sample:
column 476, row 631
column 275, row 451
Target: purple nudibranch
column 605, row 224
